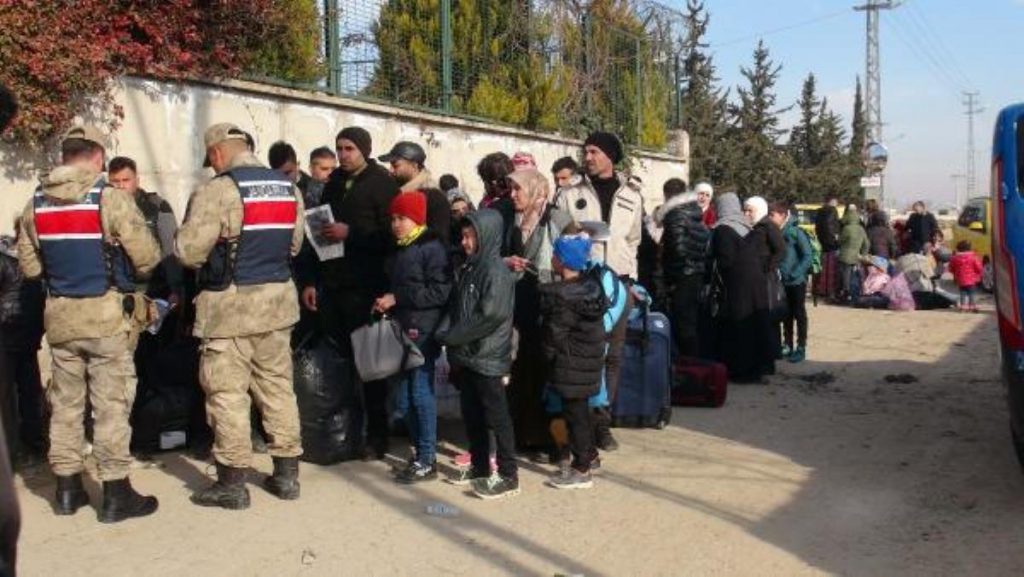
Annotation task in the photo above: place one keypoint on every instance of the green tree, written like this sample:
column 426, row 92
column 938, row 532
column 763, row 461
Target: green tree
column 804, row 145
column 859, row 127
column 704, row 105
column 759, row 165
column 294, row 54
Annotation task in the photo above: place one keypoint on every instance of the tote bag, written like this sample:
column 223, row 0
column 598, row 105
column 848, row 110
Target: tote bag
column 381, row 350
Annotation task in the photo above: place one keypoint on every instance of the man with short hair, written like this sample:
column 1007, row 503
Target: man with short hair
column 616, row 199
column 922, row 228
column 407, row 161
column 343, row 290
column 89, row 242
column 566, row 172
column 242, row 229
column 166, row 281
column 322, row 162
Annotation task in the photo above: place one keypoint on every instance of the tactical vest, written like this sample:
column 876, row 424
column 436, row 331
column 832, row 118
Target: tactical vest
column 262, row 253
column 76, row 260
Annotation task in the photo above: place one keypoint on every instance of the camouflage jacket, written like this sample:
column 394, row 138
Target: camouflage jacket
column 65, row 318
column 214, row 212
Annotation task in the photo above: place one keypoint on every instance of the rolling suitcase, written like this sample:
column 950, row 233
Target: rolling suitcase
column 699, row 383
column 826, row 282
column 644, row 396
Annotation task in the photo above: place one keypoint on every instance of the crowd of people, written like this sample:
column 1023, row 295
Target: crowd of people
column 528, row 292
column 868, row 262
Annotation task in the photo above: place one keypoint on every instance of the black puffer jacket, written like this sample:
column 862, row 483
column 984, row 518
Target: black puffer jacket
column 574, row 338
column 21, row 304
column 827, row 228
column 421, row 282
column 480, row 334
column 685, row 240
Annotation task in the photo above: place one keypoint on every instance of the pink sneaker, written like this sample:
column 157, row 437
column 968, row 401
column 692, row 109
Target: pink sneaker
column 464, row 460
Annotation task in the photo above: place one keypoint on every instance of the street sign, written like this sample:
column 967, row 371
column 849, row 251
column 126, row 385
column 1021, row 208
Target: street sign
column 870, row 181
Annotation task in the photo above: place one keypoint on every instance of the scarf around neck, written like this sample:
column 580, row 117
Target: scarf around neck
column 412, row 236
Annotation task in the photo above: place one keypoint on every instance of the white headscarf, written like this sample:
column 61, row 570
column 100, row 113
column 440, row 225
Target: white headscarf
column 758, row 208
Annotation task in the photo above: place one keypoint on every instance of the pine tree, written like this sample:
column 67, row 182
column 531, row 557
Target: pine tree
column 759, row 165
column 859, row 128
column 704, row 105
column 294, row 55
column 804, row 138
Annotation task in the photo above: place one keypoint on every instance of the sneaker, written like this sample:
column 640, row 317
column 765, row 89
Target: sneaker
column 572, row 479
column 798, row 355
column 465, row 461
column 496, row 487
column 786, row 352
column 595, row 465
column 416, row 472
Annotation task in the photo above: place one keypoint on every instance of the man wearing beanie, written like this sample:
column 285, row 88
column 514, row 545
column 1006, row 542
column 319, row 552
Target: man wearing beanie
column 574, row 347
column 611, row 197
column 420, row 285
column 343, row 290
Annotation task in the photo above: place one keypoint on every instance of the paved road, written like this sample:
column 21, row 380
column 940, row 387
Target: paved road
column 829, row 469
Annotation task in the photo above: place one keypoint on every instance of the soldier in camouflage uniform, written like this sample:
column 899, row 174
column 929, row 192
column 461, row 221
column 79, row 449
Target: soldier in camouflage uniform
column 89, row 242
column 241, row 230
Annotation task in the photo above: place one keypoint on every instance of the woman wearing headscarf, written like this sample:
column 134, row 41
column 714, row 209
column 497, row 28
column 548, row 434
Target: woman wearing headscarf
column 737, row 291
column 537, row 225
column 769, row 246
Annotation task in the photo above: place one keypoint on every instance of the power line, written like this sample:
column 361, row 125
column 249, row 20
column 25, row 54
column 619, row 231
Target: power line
column 785, row 28
column 927, row 53
column 971, row 102
column 918, row 17
column 929, row 62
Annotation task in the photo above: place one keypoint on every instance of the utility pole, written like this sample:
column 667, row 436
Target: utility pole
column 956, row 178
column 971, row 102
column 873, row 76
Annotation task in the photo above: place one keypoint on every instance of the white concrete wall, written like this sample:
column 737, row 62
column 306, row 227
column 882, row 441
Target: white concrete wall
column 164, row 123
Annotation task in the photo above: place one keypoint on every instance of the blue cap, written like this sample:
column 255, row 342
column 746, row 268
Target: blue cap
column 573, row 251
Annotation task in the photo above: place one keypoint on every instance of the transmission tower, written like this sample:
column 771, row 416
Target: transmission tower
column 971, row 102
column 873, row 86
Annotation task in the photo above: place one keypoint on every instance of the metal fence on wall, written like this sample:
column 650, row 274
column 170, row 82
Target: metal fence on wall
column 544, row 65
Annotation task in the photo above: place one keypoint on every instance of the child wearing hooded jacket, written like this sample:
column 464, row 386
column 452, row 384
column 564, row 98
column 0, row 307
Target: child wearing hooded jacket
column 967, row 270
column 574, row 345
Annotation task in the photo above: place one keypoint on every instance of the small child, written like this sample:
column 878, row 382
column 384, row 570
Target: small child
column 480, row 353
column 420, row 285
column 967, row 269
column 574, row 345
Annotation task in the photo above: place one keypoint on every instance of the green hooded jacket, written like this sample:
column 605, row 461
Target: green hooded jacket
column 853, row 239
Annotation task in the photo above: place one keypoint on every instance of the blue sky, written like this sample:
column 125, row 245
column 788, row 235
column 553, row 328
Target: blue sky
column 931, row 50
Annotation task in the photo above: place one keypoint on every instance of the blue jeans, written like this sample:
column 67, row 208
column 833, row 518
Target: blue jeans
column 967, row 296
column 415, row 400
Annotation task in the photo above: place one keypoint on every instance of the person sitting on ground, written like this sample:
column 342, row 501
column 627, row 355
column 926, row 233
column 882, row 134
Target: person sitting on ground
column 574, row 347
column 853, row 243
column 479, row 344
column 420, row 285
column 967, row 270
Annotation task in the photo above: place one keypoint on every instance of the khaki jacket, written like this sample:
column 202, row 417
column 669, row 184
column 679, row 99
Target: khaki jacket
column 625, row 220
column 66, row 318
column 214, row 212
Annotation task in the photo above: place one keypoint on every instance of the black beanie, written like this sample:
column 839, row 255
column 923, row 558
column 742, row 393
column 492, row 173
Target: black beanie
column 358, row 136
column 608, row 143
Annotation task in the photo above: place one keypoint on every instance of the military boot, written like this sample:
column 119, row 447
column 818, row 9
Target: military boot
column 228, row 491
column 120, row 502
column 70, row 494
column 284, row 483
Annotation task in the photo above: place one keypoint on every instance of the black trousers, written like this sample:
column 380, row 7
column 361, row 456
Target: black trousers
column 796, row 299
column 341, row 312
column 579, row 420
column 685, row 311
column 485, row 408
column 23, row 410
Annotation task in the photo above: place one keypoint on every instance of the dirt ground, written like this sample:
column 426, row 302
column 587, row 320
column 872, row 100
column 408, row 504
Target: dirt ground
column 829, row 469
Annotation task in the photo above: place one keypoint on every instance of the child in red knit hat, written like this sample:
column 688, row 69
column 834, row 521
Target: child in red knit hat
column 420, row 282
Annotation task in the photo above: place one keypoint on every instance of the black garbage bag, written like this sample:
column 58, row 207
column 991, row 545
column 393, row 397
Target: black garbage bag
column 168, row 396
column 330, row 407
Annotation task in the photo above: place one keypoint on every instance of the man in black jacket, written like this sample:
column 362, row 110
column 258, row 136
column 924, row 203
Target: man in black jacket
column 921, row 228
column 359, row 193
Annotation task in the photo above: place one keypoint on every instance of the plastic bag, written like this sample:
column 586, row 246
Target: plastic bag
column 330, row 406
column 381, row 350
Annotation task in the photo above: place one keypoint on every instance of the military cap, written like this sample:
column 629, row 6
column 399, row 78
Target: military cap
column 86, row 132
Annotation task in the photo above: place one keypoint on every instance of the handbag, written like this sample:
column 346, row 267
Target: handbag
column 381, row 349
column 712, row 295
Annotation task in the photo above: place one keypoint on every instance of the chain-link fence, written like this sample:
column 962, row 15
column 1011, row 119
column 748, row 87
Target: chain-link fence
column 547, row 65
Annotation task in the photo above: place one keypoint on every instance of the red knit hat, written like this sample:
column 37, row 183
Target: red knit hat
column 411, row 205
